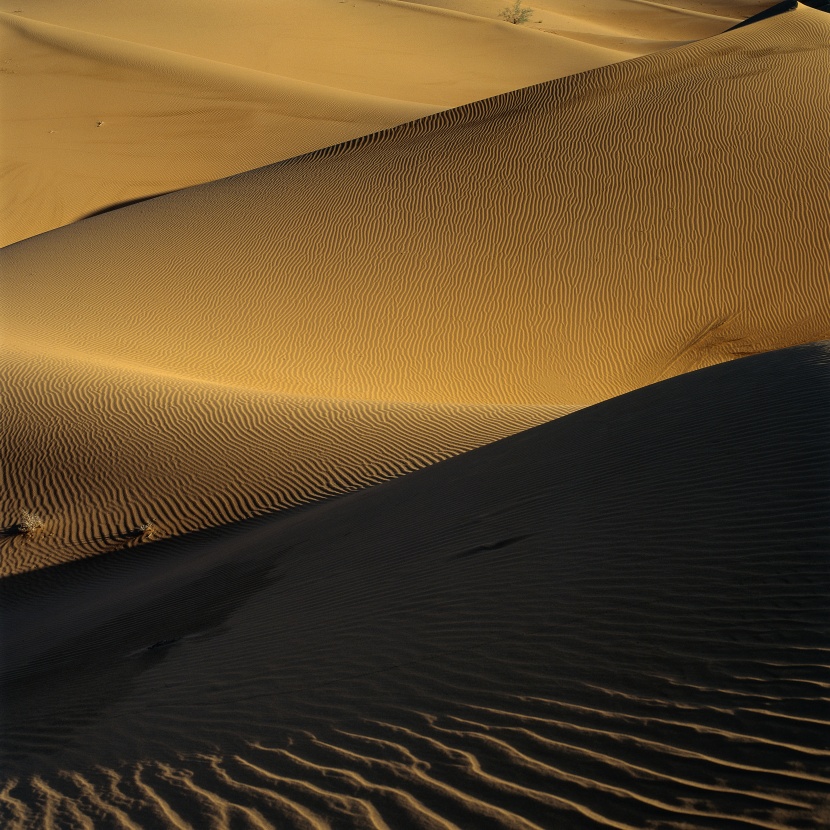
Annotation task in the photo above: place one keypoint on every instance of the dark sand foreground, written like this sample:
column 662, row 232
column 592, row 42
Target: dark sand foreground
column 615, row 619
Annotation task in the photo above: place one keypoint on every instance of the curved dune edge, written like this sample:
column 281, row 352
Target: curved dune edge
column 374, row 347
column 615, row 619
column 72, row 147
column 99, row 452
column 561, row 244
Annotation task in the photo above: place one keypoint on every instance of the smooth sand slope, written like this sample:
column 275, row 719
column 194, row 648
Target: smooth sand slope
column 617, row 619
column 91, row 122
column 542, row 250
column 104, row 102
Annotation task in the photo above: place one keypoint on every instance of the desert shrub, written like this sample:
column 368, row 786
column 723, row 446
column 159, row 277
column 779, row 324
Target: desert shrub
column 517, row 13
column 30, row 523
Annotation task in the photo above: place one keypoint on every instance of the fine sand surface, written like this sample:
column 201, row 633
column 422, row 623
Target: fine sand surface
column 505, row 261
column 616, row 619
column 103, row 103
column 560, row 293
column 102, row 451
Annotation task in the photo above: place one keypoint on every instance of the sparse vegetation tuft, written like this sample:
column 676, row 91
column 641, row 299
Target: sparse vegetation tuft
column 30, row 523
column 146, row 531
column 517, row 13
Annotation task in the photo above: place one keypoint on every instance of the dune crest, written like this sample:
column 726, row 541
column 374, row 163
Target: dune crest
column 86, row 151
column 426, row 289
column 663, row 188
column 116, row 450
column 446, row 443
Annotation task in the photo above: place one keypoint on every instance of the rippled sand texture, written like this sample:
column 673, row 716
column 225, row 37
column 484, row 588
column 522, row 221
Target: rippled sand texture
column 502, row 262
column 557, row 244
column 616, row 619
column 104, row 103
column 114, row 450
column 560, row 331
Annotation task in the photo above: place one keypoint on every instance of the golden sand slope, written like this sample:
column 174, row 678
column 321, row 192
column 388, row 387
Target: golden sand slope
column 618, row 619
column 559, row 244
column 98, row 452
column 653, row 222
column 106, row 101
column 636, row 27
column 91, row 122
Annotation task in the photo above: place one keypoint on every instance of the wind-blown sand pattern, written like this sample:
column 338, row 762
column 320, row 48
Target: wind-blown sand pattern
column 558, row 244
column 575, row 336
column 615, row 619
column 116, row 450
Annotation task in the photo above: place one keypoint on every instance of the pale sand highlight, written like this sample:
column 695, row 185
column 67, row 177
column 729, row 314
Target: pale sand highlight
column 617, row 619
column 104, row 104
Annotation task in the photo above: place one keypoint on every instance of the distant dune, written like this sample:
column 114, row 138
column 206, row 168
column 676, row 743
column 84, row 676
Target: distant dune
column 103, row 105
column 616, row 619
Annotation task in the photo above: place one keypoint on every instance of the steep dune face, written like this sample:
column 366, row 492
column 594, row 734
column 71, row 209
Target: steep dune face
column 617, row 619
column 559, row 244
column 105, row 103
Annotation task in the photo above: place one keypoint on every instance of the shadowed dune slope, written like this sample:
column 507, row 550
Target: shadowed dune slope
column 617, row 619
column 560, row 244
column 98, row 452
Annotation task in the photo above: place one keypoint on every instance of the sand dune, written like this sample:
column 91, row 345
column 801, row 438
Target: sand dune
column 123, row 109
column 96, row 122
column 434, row 286
column 616, row 619
column 560, row 244
column 104, row 105
column 589, row 586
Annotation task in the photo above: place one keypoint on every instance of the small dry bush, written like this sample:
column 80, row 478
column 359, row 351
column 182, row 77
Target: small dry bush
column 517, row 13
column 147, row 531
column 30, row 523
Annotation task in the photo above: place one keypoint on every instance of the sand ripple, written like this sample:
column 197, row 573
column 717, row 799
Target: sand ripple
column 556, row 245
column 118, row 449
